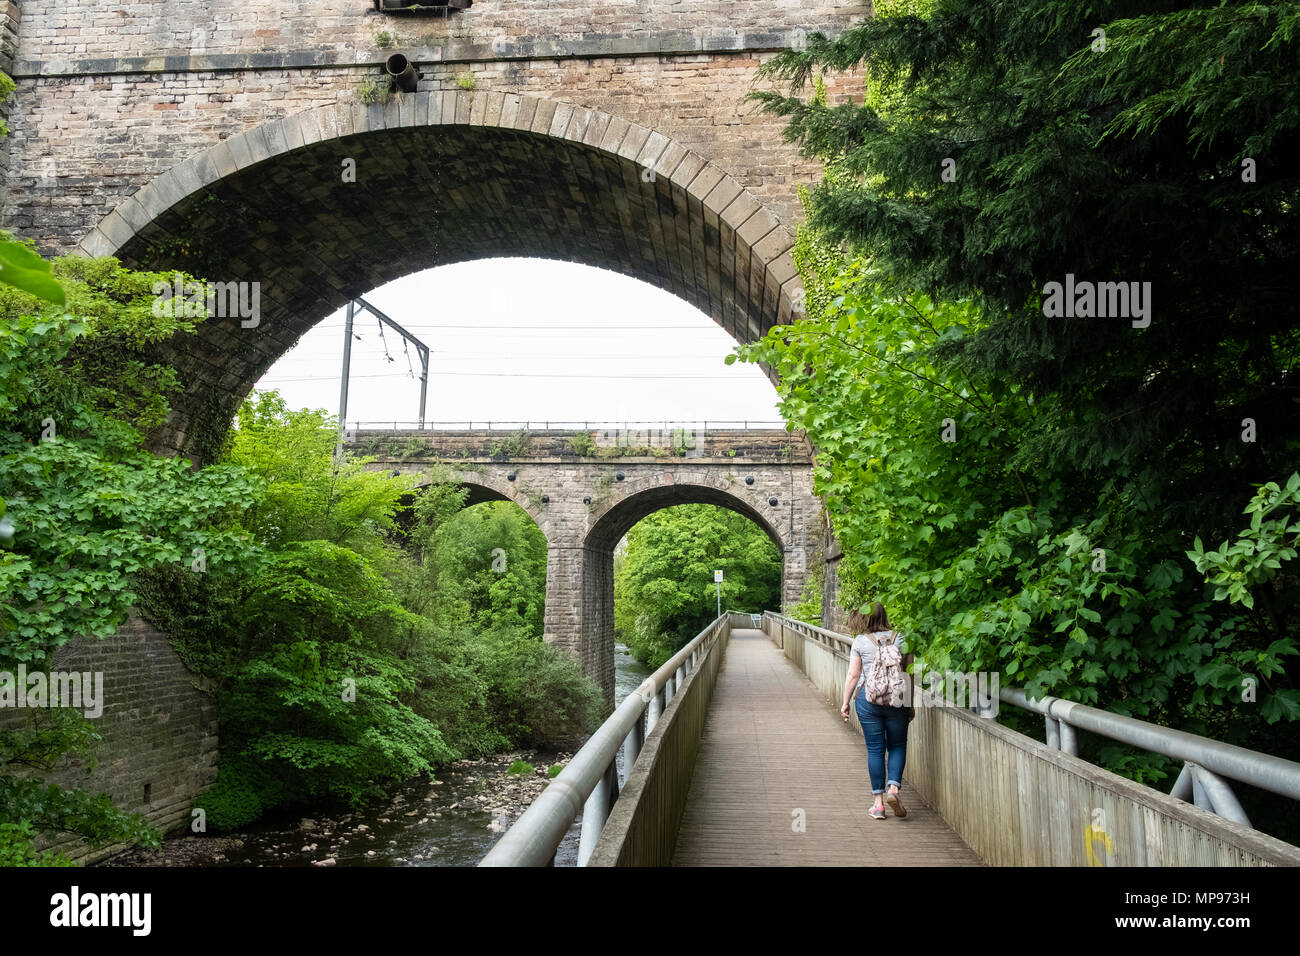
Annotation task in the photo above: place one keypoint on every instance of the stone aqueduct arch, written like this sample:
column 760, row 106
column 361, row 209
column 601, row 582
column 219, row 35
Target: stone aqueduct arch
column 581, row 537
column 441, row 177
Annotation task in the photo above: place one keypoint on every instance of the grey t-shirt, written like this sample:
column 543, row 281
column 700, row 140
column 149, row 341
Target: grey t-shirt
column 865, row 648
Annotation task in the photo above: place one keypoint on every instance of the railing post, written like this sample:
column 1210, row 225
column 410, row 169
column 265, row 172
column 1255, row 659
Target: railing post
column 652, row 714
column 668, row 692
column 1053, row 733
column 1199, row 796
column 631, row 748
column 1069, row 741
column 594, row 813
column 1182, row 789
column 1222, row 800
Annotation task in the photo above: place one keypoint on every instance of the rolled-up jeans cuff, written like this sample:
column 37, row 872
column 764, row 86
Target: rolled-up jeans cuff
column 894, row 783
column 875, row 792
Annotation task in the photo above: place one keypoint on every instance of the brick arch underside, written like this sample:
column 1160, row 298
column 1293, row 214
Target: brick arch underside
column 480, row 490
column 619, row 519
column 429, row 195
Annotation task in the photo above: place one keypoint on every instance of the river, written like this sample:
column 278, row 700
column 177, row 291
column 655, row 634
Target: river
column 452, row 820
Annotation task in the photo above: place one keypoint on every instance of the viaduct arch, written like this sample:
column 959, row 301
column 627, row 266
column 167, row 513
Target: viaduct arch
column 440, row 178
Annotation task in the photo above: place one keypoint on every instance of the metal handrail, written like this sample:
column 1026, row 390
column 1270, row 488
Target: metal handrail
column 1206, row 761
column 589, row 784
column 832, row 639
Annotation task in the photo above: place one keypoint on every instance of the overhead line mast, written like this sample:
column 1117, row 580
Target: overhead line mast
column 356, row 307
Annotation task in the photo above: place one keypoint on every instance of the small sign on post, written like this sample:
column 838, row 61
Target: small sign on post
column 717, row 577
column 717, row 582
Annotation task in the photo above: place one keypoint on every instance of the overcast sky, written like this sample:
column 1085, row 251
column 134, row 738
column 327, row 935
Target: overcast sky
column 535, row 339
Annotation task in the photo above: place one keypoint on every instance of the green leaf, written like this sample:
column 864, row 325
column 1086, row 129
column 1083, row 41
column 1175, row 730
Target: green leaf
column 25, row 270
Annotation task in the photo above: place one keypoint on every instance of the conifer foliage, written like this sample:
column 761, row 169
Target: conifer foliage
column 1048, row 350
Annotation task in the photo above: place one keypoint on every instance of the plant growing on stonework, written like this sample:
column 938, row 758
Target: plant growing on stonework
column 7, row 87
column 371, row 91
column 77, row 396
column 467, row 81
column 809, row 606
column 583, row 444
column 681, row 440
column 516, row 446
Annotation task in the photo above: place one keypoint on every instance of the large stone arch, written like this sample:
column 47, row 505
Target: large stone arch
column 441, row 177
column 643, row 497
column 647, row 494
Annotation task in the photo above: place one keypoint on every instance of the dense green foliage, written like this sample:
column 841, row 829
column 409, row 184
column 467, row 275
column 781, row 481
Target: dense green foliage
column 83, row 511
column 1027, row 492
column 280, row 571
column 487, row 569
column 664, row 593
column 360, row 653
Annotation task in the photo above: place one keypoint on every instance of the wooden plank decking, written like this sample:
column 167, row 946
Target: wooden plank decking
column 772, row 746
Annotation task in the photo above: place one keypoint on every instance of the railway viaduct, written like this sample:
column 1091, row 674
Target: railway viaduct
column 585, row 503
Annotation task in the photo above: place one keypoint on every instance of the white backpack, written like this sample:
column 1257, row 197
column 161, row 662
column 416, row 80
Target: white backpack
column 886, row 683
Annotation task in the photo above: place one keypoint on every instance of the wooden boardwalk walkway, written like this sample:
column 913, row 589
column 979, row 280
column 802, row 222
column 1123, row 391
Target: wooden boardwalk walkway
column 773, row 746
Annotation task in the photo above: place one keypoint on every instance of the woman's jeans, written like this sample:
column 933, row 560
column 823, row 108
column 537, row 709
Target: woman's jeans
column 885, row 729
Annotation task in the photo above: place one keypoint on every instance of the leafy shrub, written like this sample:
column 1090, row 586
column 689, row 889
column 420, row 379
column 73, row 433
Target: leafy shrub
column 520, row 766
column 583, row 444
column 538, row 695
column 241, row 794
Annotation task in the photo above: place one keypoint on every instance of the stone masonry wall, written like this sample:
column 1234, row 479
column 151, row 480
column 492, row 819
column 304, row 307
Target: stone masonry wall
column 112, row 94
column 348, row 29
column 159, row 747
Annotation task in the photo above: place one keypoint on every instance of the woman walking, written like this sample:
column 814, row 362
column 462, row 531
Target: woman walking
column 882, row 692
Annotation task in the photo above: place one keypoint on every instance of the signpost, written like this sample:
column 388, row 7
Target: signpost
column 717, row 580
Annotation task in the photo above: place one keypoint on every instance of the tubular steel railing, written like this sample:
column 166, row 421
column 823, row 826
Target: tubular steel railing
column 589, row 784
column 1206, row 762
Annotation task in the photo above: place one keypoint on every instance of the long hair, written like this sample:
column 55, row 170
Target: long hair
column 871, row 623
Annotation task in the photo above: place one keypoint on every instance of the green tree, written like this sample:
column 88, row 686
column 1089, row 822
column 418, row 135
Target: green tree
column 491, row 569
column 1164, row 152
column 664, row 593
column 377, row 640
column 1002, row 146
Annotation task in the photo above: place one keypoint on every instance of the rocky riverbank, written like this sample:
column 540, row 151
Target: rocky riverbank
column 451, row 820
